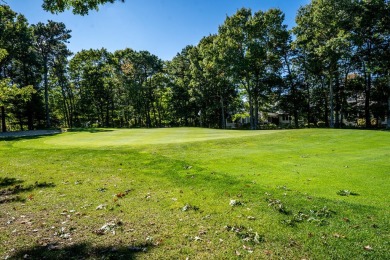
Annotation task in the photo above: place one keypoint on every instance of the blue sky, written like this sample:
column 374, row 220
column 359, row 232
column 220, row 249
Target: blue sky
column 162, row 27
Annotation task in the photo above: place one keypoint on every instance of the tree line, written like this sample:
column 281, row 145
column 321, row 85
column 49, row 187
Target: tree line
column 331, row 69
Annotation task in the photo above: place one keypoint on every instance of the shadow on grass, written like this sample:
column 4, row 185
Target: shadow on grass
column 5, row 181
column 81, row 251
column 90, row 130
column 24, row 137
column 9, row 194
column 7, row 199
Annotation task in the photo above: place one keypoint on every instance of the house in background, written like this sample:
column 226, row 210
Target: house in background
column 278, row 118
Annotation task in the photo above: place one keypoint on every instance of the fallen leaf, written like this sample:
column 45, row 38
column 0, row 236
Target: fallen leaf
column 336, row 235
column 235, row 203
column 120, row 195
column 247, row 248
column 101, row 206
column 368, row 248
column 346, row 219
column 108, row 227
column 196, row 238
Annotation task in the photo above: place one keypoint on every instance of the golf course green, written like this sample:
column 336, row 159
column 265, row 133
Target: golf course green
column 177, row 193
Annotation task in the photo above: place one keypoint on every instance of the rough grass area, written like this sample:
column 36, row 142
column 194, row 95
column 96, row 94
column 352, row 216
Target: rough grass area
column 196, row 193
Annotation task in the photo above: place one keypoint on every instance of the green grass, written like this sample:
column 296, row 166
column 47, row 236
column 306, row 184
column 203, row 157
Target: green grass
column 166, row 194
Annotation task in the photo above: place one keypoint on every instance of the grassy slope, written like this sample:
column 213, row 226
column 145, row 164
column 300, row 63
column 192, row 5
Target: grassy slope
column 299, row 172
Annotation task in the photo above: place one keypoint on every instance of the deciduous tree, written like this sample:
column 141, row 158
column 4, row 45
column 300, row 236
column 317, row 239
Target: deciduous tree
column 50, row 42
column 81, row 7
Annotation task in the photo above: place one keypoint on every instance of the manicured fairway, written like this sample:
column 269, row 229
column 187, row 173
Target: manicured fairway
column 199, row 193
column 139, row 137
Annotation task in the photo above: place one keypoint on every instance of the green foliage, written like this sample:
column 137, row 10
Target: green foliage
column 239, row 116
column 78, row 7
column 333, row 70
column 270, row 126
column 13, row 99
column 19, row 64
column 50, row 42
column 249, row 48
column 92, row 71
column 3, row 54
column 10, row 93
column 310, row 125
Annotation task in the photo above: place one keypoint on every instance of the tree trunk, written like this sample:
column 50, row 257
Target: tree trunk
column 256, row 123
column 147, row 115
column 251, row 113
column 107, row 119
column 3, row 124
column 326, row 113
column 20, row 122
column 367, row 101
column 367, row 74
column 223, row 125
column 337, row 101
column 45, row 79
column 30, row 119
column 388, row 112
column 308, row 106
column 293, row 92
column 295, row 104
column 155, row 119
column 72, row 118
column 159, row 108
column 388, row 103
column 331, row 101
column 65, row 106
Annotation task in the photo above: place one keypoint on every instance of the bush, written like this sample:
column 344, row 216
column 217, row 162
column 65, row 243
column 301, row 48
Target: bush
column 311, row 125
column 270, row 126
column 245, row 126
column 286, row 126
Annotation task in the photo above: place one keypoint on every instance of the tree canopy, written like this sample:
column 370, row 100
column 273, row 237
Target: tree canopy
column 331, row 69
column 78, row 7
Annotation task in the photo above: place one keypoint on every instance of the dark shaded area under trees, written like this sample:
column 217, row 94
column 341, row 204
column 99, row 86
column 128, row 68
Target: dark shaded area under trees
column 332, row 70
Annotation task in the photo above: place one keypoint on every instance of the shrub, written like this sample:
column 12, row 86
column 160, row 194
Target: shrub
column 311, row 125
column 270, row 126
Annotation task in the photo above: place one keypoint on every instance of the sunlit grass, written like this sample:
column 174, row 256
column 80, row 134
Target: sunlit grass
column 168, row 191
column 102, row 138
